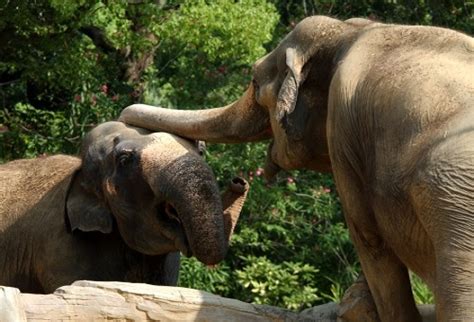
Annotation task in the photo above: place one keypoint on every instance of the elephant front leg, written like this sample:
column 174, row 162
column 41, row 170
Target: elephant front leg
column 386, row 275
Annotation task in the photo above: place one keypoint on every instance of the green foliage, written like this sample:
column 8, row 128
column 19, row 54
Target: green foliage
column 29, row 131
column 201, row 277
column 421, row 292
column 455, row 14
column 40, row 42
column 68, row 65
column 289, row 284
column 30, row 141
column 206, row 51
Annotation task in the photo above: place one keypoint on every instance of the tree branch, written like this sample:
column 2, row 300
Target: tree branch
column 99, row 39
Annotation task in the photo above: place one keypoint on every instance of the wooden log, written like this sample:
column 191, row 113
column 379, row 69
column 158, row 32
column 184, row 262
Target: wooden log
column 11, row 307
column 106, row 301
column 119, row 301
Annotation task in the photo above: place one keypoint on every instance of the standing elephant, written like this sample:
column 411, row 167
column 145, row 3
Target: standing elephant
column 389, row 110
column 122, row 211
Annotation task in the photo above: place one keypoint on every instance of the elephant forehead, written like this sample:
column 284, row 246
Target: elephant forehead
column 165, row 148
column 172, row 140
column 259, row 62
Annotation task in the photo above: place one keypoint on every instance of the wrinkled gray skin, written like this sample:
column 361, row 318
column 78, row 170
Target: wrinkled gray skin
column 389, row 109
column 123, row 213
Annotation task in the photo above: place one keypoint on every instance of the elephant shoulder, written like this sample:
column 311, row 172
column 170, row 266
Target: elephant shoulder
column 44, row 172
column 54, row 162
column 25, row 182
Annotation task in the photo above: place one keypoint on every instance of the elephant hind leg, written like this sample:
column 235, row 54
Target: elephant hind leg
column 388, row 280
column 443, row 194
column 386, row 275
column 455, row 286
column 450, row 222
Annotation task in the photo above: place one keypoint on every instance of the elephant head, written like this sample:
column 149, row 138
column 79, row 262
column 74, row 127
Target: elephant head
column 286, row 100
column 155, row 189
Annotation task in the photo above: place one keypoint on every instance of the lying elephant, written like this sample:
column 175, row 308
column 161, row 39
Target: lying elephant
column 389, row 109
column 120, row 212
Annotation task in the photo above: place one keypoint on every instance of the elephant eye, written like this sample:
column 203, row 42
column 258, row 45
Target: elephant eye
column 256, row 90
column 125, row 157
column 255, row 85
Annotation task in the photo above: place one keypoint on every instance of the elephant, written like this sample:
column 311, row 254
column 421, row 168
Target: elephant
column 121, row 211
column 389, row 110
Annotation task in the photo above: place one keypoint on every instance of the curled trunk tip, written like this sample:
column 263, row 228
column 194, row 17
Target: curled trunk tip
column 233, row 201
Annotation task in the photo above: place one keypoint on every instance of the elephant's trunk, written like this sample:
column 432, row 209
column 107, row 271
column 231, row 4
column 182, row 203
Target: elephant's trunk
column 233, row 201
column 241, row 121
column 193, row 192
column 186, row 184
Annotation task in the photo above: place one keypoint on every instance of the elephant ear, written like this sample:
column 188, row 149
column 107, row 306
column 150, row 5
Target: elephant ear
column 84, row 210
column 292, row 113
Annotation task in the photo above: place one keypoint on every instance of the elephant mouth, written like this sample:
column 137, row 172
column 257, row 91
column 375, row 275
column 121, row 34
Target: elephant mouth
column 271, row 168
column 169, row 218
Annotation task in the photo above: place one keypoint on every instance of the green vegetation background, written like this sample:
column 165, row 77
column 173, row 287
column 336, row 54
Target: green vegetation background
column 67, row 65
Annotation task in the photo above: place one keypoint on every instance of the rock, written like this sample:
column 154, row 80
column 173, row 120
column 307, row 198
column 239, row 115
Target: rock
column 357, row 304
column 119, row 301
column 322, row 313
column 11, row 308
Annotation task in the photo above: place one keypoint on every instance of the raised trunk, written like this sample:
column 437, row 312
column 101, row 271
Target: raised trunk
column 233, row 201
column 241, row 121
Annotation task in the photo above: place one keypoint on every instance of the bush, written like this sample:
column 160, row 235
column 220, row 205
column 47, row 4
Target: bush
column 30, row 131
column 289, row 284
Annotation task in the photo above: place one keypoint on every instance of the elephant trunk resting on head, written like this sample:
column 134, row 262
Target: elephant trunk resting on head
column 389, row 109
column 120, row 212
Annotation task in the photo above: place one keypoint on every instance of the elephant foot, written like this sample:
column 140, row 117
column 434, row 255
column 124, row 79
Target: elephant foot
column 357, row 305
